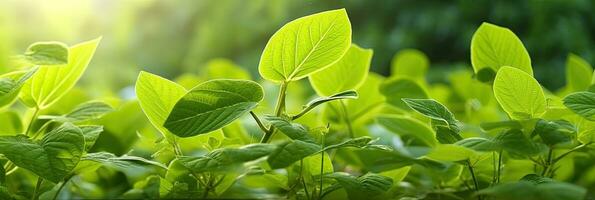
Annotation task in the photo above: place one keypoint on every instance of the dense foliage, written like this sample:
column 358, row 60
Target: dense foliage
column 493, row 133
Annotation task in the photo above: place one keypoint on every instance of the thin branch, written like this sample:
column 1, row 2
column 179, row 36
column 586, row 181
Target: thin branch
column 260, row 124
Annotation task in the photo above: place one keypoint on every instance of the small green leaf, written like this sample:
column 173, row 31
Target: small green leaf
column 50, row 83
column 52, row 158
column 555, row 132
column 47, row 53
column 410, row 63
column 368, row 186
column 494, row 47
column 226, row 158
column 347, row 74
column 581, row 103
column 294, row 131
column 519, row 94
column 359, row 142
column 515, row 141
column 403, row 125
column 157, row 97
column 434, row 110
column 305, row 46
column 290, row 152
column 446, row 135
column 212, row 105
column 350, row 94
column 9, row 88
column 578, row 73
column 83, row 112
column 479, row 144
column 395, row 89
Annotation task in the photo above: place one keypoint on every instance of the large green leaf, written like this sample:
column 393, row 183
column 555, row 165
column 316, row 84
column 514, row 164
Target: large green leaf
column 395, row 89
column 410, row 63
column 47, row 53
column 226, row 158
column 368, row 186
column 347, row 74
column 52, row 158
column 212, row 105
column 50, row 83
column 578, row 73
column 306, row 45
column 535, row 188
column 9, row 88
column 403, row 125
column 581, row 103
column 157, row 97
column 519, row 94
column 494, row 47
column 555, row 132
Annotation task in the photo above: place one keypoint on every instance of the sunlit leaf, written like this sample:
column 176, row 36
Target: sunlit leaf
column 581, row 103
column 519, row 94
column 9, row 88
column 403, row 125
column 306, row 45
column 578, row 73
column 410, row 63
column 47, row 53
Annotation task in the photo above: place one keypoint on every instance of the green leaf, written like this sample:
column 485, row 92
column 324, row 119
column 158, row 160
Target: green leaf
column 514, row 141
column 290, row 152
column 157, row 97
column 578, row 73
column 410, row 63
column 359, row 142
column 220, row 68
column 446, row 135
column 434, row 110
column 403, row 125
column 581, row 103
column 395, row 89
column 450, row 152
column 91, row 161
column 212, row 105
column 83, row 112
column 350, row 94
column 50, row 83
column 519, row 94
column 10, row 123
column 294, row 131
column 52, row 158
column 368, row 186
column 226, row 158
column 47, row 53
column 91, row 133
column 305, row 46
column 9, row 88
column 494, row 47
column 533, row 187
column 479, row 144
column 555, row 132
column 347, row 74
column 510, row 124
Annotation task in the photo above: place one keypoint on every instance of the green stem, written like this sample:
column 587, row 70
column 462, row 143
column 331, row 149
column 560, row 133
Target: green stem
column 279, row 109
column 302, row 179
column 260, row 124
column 33, row 118
column 321, row 166
column 475, row 183
column 499, row 166
column 548, row 162
column 61, row 186
column 579, row 147
column 37, row 188
column 347, row 120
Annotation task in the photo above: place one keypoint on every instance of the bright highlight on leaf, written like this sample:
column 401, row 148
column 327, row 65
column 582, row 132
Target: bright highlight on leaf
column 50, row 83
column 347, row 74
column 305, row 46
column 212, row 105
column 519, row 94
column 493, row 47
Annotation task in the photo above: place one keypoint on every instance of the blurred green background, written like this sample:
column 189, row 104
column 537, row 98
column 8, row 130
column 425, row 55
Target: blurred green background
column 172, row 37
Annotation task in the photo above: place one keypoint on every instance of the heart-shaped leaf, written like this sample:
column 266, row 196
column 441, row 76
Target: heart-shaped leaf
column 306, row 45
column 212, row 105
column 494, row 47
column 52, row 158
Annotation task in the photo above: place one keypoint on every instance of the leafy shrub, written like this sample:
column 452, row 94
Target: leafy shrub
column 365, row 137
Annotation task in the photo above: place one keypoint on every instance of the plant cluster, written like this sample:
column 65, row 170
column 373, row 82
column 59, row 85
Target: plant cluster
column 492, row 133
